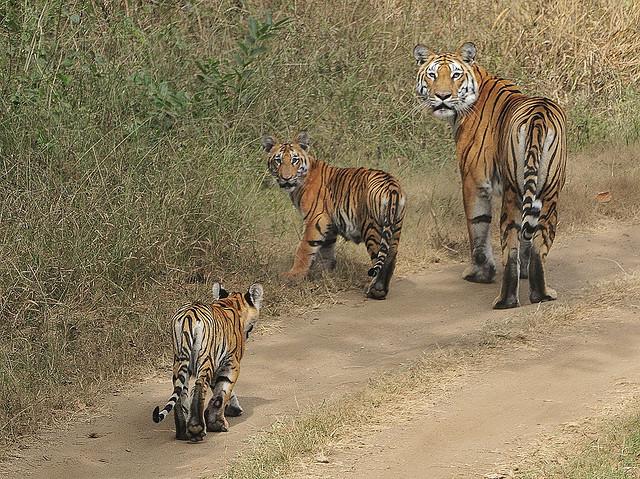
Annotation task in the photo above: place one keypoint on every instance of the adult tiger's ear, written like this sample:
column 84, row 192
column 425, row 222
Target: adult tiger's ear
column 421, row 54
column 219, row 292
column 303, row 140
column 268, row 142
column 254, row 295
column 468, row 52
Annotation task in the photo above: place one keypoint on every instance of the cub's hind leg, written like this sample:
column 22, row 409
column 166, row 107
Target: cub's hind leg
column 222, row 391
column 196, row 429
column 379, row 286
column 180, row 414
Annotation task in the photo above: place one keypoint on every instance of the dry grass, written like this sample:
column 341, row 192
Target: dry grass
column 130, row 166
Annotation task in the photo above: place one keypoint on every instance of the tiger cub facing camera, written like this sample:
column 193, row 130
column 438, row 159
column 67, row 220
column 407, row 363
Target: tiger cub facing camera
column 359, row 204
column 208, row 343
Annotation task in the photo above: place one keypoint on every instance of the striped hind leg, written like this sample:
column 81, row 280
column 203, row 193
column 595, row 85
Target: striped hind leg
column 180, row 414
column 379, row 286
column 196, row 424
column 226, row 378
column 510, row 225
column 540, row 245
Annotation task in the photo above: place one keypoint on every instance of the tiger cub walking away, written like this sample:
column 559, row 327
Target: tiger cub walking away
column 208, row 343
column 505, row 142
column 358, row 204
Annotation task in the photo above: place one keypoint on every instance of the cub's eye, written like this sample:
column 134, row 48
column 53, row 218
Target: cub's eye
column 431, row 75
column 456, row 75
column 295, row 160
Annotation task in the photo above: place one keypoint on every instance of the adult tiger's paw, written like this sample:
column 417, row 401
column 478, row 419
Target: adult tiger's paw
column 484, row 273
column 292, row 276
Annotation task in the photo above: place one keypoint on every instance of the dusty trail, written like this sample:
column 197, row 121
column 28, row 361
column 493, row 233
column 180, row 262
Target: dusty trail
column 325, row 355
column 485, row 426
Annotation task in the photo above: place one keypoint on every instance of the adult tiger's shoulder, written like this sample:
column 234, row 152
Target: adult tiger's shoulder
column 359, row 204
column 208, row 343
column 507, row 141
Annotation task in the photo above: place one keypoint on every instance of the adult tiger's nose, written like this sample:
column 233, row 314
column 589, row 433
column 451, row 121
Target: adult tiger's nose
column 443, row 95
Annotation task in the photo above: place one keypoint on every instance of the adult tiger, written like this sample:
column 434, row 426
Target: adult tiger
column 208, row 342
column 504, row 140
column 358, row 204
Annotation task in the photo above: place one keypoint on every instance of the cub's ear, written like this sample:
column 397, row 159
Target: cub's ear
column 303, row 140
column 421, row 54
column 254, row 295
column 268, row 142
column 468, row 52
column 218, row 291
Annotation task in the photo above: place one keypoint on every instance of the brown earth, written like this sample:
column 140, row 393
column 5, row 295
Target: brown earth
column 326, row 354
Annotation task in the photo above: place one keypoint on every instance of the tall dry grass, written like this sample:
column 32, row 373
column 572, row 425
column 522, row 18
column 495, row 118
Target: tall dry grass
column 131, row 171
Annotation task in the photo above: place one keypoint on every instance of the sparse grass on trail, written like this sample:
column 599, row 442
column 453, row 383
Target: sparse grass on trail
column 289, row 445
column 131, row 172
column 611, row 451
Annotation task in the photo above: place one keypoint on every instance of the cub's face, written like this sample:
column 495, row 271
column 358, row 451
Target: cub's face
column 288, row 163
column 446, row 82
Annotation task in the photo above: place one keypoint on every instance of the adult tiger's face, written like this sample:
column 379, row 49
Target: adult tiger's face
column 446, row 82
column 288, row 162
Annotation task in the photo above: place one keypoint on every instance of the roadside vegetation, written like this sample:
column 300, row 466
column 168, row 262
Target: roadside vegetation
column 131, row 171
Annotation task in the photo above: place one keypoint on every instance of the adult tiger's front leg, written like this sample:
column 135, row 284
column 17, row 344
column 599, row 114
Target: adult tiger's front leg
column 477, row 205
column 314, row 237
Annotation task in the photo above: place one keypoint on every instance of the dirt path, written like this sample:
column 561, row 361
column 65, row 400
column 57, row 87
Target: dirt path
column 328, row 354
column 483, row 427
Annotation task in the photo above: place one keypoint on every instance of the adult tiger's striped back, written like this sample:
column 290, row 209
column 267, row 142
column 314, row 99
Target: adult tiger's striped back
column 359, row 204
column 504, row 140
column 209, row 342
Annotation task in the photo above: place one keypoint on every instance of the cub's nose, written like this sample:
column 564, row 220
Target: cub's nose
column 443, row 95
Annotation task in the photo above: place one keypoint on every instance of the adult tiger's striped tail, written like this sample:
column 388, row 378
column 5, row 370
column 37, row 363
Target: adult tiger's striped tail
column 534, row 161
column 393, row 214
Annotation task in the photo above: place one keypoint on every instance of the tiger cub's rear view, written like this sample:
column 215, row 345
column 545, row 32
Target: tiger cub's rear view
column 359, row 204
column 208, row 343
